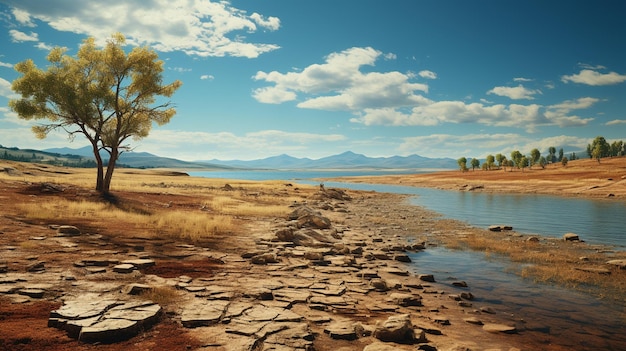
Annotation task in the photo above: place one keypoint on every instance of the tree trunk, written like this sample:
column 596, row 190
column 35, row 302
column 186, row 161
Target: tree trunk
column 100, row 174
column 110, row 168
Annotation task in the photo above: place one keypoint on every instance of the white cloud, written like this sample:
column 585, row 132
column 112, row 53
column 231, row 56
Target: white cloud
column 559, row 113
column 23, row 17
column 339, row 84
column 19, row 37
column 481, row 145
column 226, row 145
column 207, row 77
column 521, row 79
column 616, row 122
column 516, row 93
column 199, row 28
column 6, row 91
column 595, row 78
column 428, row 74
column 4, row 64
column 432, row 113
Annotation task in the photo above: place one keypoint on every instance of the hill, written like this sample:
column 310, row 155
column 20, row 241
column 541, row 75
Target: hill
column 344, row 160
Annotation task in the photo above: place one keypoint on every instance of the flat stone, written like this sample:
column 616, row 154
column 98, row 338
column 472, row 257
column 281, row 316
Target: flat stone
column 344, row 330
column 499, row 328
column 109, row 330
column 136, row 289
column 34, row 293
column 141, row 263
column 203, row 314
column 473, row 320
column 124, row 268
column 405, row 300
column 570, row 237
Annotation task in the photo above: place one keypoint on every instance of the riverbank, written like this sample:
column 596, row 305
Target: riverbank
column 580, row 178
column 281, row 266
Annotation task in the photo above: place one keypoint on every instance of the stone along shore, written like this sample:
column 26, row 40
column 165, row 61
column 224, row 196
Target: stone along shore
column 335, row 274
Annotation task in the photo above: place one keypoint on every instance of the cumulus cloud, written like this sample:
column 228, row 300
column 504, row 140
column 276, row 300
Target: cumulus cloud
column 18, row 37
column 339, row 84
column 432, row 113
column 198, row 28
column 428, row 74
column 594, row 78
column 616, row 122
column 559, row 114
column 516, row 93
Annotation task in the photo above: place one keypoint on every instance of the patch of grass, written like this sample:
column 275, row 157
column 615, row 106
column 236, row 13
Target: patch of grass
column 191, row 226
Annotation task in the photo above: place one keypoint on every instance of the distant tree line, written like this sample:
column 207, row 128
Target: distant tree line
column 518, row 160
column 15, row 154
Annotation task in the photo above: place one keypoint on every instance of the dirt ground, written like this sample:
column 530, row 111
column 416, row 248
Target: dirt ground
column 23, row 326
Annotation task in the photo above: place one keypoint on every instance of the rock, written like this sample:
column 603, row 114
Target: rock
column 405, row 300
column 397, row 329
column 203, row 314
column 265, row 258
column 379, row 285
column 314, row 221
column 499, row 228
column 34, row 293
column 344, row 330
column 499, row 328
column 571, row 237
column 467, row 295
column 140, row 263
column 104, row 321
column 619, row 263
column 460, row 284
column 473, row 320
column 426, row 277
column 402, row 258
column 68, row 230
column 136, row 289
column 124, row 268
column 533, row 239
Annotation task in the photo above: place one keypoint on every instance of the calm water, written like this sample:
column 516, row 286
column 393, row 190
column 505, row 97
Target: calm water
column 545, row 313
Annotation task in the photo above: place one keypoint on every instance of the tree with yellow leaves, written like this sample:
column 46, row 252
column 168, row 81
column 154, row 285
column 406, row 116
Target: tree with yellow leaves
column 103, row 93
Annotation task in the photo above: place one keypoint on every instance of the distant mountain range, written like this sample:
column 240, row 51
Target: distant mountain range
column 346, row 160
column 341, row 161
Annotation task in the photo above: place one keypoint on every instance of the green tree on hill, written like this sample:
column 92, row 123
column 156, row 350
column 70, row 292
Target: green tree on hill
column 475, row 163
column 104, row 94
column 462, row 162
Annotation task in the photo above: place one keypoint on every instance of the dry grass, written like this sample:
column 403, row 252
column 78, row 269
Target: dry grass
column 209, row 207
column 548, row 260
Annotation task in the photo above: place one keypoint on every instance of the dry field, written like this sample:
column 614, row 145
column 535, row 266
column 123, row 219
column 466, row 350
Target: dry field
column 584, row 177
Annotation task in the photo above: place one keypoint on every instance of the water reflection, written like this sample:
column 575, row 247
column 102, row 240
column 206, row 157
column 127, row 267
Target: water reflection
column 556, row 315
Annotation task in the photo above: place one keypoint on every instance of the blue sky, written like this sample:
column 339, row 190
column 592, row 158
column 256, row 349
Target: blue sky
column 317, row 78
